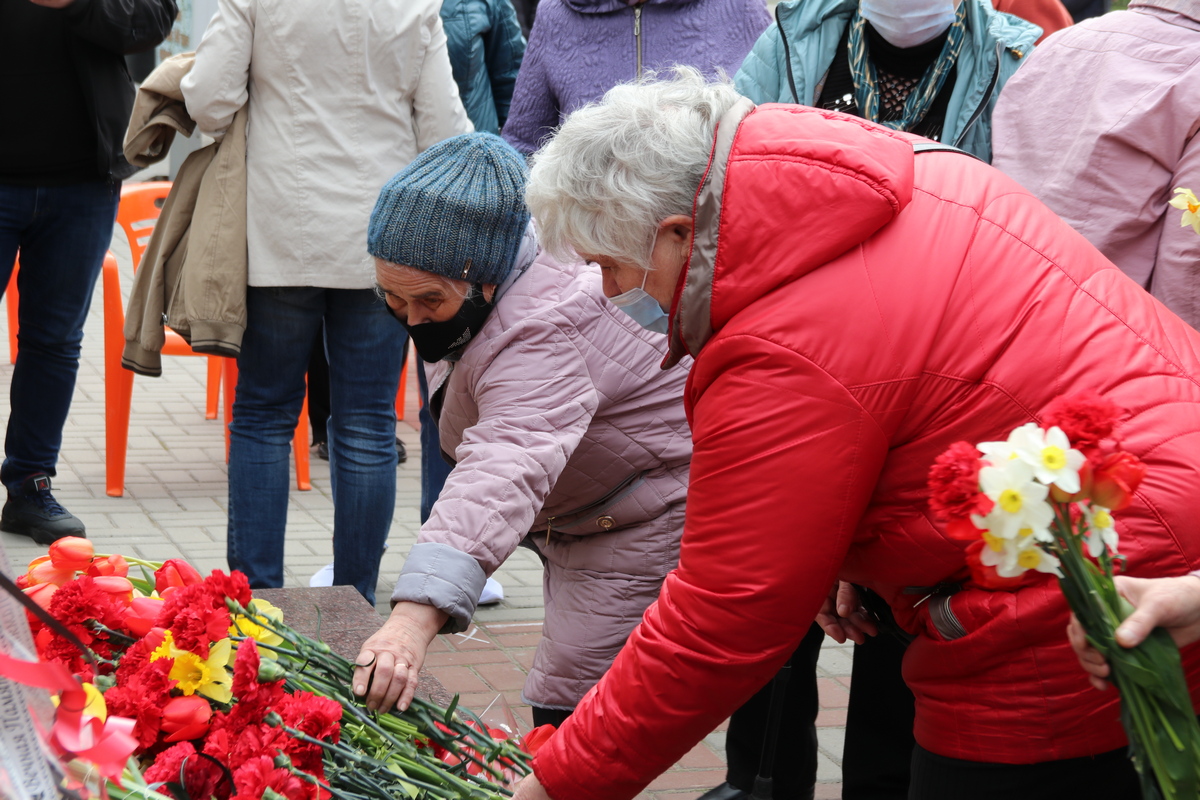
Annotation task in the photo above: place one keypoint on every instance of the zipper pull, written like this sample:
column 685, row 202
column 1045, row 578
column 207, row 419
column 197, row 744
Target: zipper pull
column 637, row 20
column 549, row 525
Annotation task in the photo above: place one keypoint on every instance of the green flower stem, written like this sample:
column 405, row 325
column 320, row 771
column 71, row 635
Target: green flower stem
column 1156, row 708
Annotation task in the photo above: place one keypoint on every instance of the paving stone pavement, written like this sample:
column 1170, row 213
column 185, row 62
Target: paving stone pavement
column 175, row 506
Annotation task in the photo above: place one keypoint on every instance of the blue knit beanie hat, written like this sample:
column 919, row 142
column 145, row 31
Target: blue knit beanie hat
column 457, row 210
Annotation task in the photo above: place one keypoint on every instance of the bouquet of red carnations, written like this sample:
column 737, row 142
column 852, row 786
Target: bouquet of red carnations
column 1042, row 501
column 215, row 697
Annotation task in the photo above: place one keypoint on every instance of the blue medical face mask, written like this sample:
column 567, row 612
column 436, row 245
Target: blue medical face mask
column 643, row 308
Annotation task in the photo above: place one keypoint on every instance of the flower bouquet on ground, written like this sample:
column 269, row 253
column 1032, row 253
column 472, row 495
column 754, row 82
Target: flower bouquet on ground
column 215, row 697
column 1042, row 502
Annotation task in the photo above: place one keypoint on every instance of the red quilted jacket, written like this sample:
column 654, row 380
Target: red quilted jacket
column 853, row 310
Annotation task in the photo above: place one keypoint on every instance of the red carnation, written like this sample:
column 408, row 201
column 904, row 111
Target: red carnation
column 954, row 484
column 234, row 585
column 74, row 605
column 141, row 695
column 1086, row 418
column 202, row 778
column 196, row 618
column 253, row 778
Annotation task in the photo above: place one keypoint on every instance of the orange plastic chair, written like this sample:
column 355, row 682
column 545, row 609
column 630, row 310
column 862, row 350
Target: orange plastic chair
column 12, row 302
column 299, row 438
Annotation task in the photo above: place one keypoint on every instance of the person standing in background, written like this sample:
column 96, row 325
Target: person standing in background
column 579, row 49
column 1101, row 126
column 67, row 97
column 486, row 47
column 341, row 96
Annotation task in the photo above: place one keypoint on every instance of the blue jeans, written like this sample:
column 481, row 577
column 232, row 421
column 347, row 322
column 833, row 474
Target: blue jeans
column 434, row 469
column 63, row 233
column 363, row 343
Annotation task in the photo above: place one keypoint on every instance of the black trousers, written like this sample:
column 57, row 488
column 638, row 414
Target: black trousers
column 1108, row 776
column 795, row 769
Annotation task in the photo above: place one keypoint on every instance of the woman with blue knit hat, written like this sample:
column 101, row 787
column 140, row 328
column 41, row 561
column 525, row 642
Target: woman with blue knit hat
column 565, row 434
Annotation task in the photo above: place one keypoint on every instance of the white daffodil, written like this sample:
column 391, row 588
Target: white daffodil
column 1011, row 557
column 1050, row 454
column 1102, row 532
column 1020, row 501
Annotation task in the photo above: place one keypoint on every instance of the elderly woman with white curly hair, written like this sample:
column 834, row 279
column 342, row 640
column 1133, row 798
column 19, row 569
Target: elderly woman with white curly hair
column 564, row 434
column 856, row 300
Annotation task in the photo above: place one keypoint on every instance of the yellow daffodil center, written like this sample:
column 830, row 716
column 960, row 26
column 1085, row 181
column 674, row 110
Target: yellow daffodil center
column 191, row 673
column 1102, row 519
column 164, row 649
column 1010, row 501
column 1030, row 558
column 1193, row 207
column 994, row 542
column 1024, row 532
column 1054, row 457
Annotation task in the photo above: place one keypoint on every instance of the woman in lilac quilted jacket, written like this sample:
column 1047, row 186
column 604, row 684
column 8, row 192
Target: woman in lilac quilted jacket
column 566, row 435
column 579, row 49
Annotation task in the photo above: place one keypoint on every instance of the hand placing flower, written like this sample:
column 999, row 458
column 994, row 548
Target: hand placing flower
column 1186, row 201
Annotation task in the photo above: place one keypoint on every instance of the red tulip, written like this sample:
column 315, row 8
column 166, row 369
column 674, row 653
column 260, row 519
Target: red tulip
column 43, row 570
column 537, row 737
column 72, row 552
column 173, row 574
column 120, row 588
column 143, row 611
column 109, row 565
column 42, row 593
column 1115, row 480
column 186, row 717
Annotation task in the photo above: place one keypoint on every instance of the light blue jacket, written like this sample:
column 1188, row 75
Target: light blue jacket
column 791, row 68
column 486, row 47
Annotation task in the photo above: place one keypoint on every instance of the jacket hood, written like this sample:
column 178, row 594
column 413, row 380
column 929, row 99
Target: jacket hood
column 788, row 189
column 608, row 6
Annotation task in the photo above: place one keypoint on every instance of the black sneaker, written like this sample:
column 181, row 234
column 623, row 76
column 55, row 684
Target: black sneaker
column 323, row 450
column 32, row 511
column 401, row 451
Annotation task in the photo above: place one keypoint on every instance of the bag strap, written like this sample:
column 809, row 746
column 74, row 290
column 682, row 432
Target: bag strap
column 927, row 146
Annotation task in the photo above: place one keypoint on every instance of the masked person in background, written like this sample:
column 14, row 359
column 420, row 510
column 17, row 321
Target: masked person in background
column 930, row 67
column 566, row 435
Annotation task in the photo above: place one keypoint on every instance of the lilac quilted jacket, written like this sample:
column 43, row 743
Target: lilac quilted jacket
column 567, row 436
column 579, row 49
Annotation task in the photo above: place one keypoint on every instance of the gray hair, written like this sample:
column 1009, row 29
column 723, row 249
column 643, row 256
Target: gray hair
column 615, row 169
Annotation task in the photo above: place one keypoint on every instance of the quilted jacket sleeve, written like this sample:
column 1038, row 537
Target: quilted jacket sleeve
column 504, row 48
column 122, row 26
column 785, row 461
column 536, row 400
column 762, row 76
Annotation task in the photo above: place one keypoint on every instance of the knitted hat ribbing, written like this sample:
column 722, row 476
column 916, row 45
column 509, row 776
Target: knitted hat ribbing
column 457, row 210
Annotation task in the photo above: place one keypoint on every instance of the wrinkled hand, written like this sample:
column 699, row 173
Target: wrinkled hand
column 530, row 789
column 387, row 667
column 1171, row 603
column 843, row 617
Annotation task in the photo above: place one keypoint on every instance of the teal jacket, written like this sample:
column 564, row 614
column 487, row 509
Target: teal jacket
column 486, row 47
column 790, row 60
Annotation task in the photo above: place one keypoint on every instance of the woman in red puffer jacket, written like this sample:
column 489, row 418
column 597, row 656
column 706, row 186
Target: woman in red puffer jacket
column 854, row 308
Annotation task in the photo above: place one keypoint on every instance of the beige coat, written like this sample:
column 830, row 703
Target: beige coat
column 193, row 273
column 342, row 96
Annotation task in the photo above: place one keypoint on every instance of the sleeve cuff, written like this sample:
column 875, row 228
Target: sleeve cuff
column 438, row 575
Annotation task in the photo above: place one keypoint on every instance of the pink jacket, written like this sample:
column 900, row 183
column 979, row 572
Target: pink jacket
column 1100, row 124
column 567, row 437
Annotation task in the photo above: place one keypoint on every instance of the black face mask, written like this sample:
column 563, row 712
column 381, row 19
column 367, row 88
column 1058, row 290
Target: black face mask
column 436, row 340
